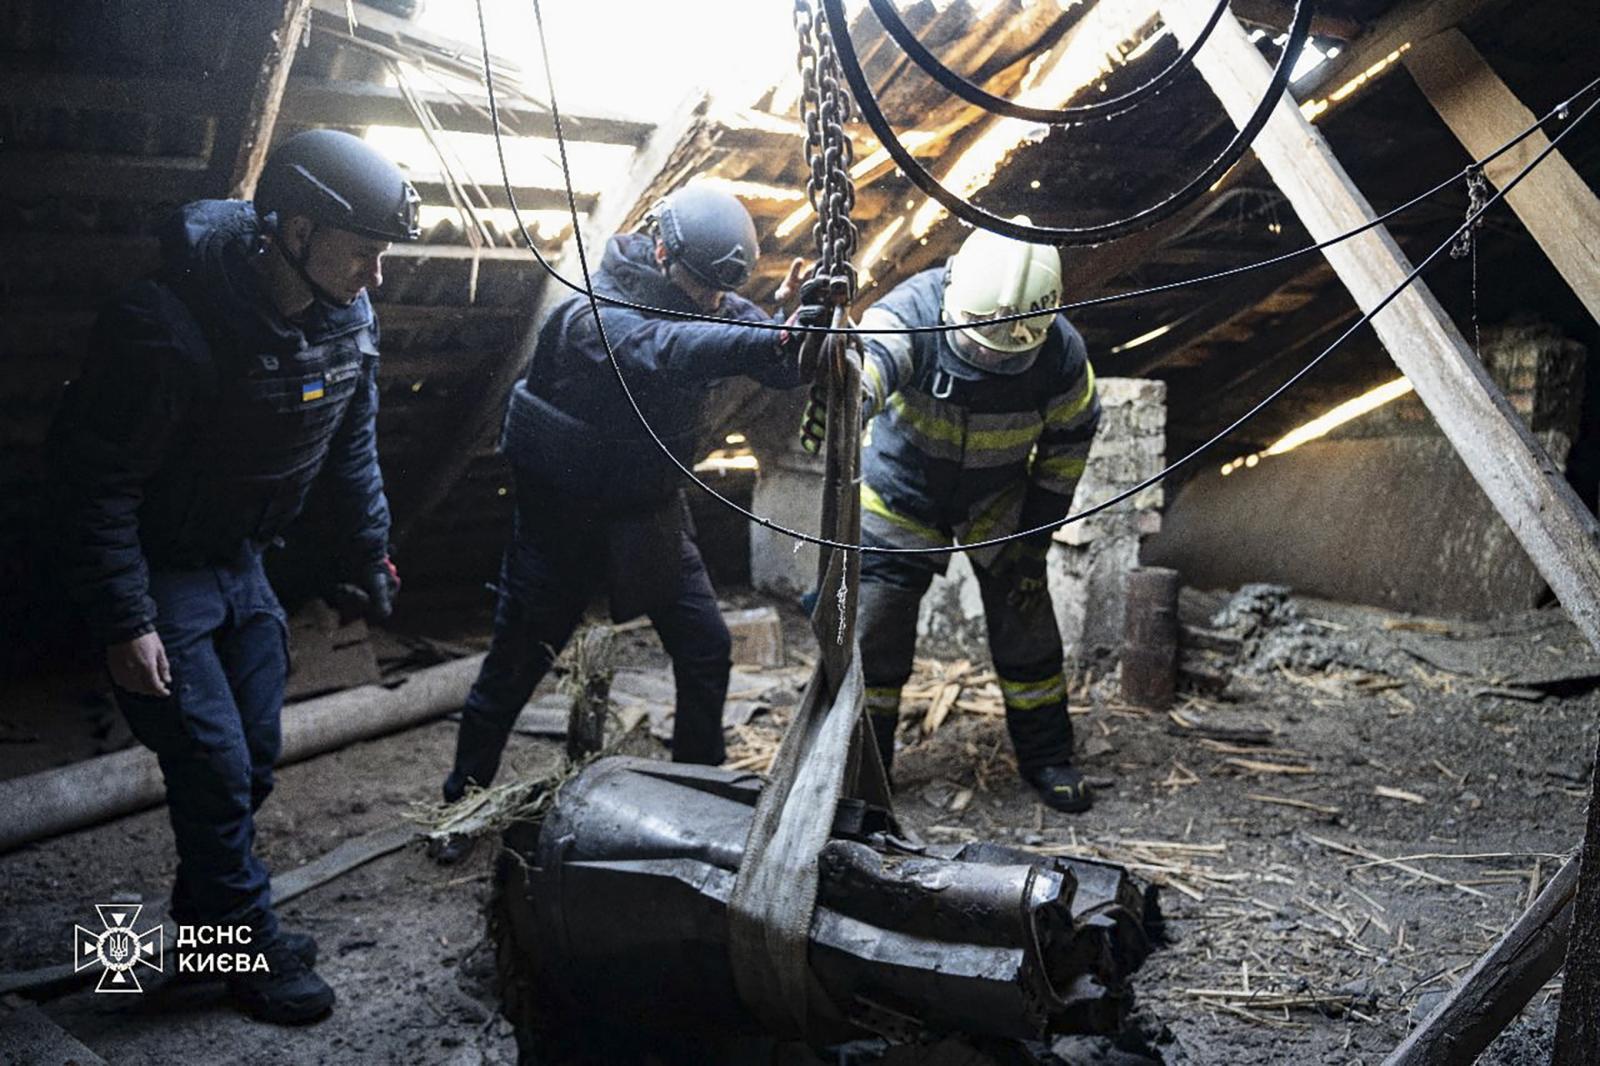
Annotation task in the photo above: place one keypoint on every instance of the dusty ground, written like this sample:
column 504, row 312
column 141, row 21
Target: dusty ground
column 1265, row 900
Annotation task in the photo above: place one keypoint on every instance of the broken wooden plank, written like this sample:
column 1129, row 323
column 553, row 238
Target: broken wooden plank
column 1492, row 992
column 325, row 102
column 1556, row 205
column 261, row 114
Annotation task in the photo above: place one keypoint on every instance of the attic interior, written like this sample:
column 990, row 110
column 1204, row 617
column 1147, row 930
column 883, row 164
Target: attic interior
column 1369, row 767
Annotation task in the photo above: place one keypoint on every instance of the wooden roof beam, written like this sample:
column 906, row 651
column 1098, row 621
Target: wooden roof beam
column 323, row 102
column 1556, row 205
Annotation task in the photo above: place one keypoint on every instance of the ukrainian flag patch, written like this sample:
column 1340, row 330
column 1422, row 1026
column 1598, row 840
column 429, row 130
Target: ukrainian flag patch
column 311, row 390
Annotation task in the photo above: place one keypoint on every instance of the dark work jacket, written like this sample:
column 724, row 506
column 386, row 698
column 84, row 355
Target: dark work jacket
column 571, row 431
column 570, row 426
column 955, row 449
column 202, row 418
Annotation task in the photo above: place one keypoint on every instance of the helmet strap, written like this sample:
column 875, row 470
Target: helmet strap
column 298, row 262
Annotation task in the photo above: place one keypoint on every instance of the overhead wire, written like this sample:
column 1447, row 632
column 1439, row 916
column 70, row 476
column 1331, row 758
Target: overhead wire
column 1100, row 232
column 1073, row 305
column 595, row 299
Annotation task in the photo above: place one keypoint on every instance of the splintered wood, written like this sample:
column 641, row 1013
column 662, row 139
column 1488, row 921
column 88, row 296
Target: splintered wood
column 940, row 688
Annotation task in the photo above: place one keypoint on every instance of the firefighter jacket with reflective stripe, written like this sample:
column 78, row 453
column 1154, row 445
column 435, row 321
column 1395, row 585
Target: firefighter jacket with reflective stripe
column 570, row 426
column 955, row 451
column 203, row 417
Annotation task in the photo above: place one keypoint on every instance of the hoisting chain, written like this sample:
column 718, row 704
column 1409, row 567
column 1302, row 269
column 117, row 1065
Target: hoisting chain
column 825, row 107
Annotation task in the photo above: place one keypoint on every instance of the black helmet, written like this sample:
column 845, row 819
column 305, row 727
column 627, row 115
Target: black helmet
column 709, row 233
column 341, row 181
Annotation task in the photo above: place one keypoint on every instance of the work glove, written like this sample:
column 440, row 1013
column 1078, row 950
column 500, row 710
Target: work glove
column 814, row 422
column 371, row 596
column 1021, row 565
column 813, row 310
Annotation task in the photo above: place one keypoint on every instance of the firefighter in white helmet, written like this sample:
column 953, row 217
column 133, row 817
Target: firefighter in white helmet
column 975, row 433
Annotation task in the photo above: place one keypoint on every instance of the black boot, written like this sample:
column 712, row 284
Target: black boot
column 288, row 992
column 1062, row 787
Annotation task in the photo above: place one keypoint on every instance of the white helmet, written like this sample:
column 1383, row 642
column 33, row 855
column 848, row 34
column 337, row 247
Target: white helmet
column 994, row 276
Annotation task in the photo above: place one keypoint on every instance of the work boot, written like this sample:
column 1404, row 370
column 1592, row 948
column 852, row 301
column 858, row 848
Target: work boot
column 302, row 946
column 288, row 993
column 1062, row 787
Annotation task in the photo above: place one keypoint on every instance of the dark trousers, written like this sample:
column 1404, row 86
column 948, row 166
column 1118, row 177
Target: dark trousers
column 547, row 580
column 217, row 735
column 1024, row 643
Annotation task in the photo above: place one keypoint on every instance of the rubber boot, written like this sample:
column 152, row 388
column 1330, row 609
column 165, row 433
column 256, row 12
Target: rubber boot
column 884, row 727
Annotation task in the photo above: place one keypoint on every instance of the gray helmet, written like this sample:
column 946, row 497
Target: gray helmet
column 709, row 233
column 339, row 180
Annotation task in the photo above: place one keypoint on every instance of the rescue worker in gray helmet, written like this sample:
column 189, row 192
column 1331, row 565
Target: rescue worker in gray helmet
column 975, row 433
column 598, row 506
column 212, row 397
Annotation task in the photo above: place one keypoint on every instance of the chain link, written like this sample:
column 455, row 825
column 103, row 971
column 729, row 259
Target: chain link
column 825, row 107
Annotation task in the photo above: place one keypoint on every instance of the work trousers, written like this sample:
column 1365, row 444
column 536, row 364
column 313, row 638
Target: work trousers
column 217, row 735
column 547, row 580
column 1024, row 643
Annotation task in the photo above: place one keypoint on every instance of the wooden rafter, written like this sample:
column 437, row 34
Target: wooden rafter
column 1556, row 205
column 254, row 136
column 1559, row 533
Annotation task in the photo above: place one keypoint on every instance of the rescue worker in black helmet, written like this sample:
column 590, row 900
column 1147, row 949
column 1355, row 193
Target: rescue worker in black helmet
column 975, row 433
column 598, row 507
column 213, row 395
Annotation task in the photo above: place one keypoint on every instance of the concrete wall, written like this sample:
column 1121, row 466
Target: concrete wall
column 1386, row 514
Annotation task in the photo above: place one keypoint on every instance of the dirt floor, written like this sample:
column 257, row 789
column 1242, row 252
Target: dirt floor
column 1371, row 822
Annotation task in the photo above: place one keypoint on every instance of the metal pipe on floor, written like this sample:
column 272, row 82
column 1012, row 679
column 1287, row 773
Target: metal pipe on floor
column 52, row 802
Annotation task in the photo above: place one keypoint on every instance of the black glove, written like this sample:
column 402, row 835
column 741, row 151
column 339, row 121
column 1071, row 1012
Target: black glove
column 373, row 598
column 1021, row 564
column 813, row 310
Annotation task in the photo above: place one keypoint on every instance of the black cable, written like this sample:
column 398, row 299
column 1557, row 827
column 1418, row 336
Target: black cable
column 824, row 542
column 1096, row 301
column 1063, row 116
column 969, row 212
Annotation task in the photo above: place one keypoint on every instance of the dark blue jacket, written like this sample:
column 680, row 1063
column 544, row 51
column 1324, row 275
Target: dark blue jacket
column 202, row 418
column 569, row 425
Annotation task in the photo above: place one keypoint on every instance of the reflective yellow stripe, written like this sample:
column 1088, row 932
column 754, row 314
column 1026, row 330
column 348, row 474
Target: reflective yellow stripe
column 926, row 423
column 996, row 517
column 1059, row 413
column 872, row 377
column 875, row 504
column 1031, row 695
column 1060, row 468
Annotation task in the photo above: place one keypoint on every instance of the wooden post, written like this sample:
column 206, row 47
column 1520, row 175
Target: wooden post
column 1557, row 206
column 242, row 154
column 1150, row 638
column 482, row 416
column 1525, row 487
column 1491, row 993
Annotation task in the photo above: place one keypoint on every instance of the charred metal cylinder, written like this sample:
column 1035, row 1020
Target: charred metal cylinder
column 1150, row 638
column 616, row 909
